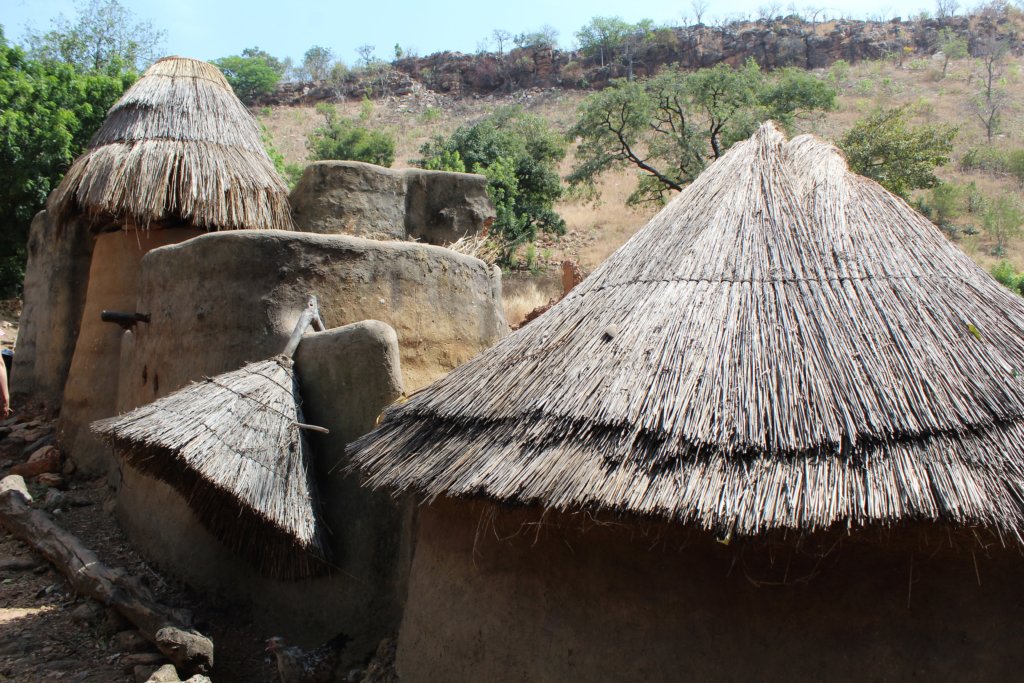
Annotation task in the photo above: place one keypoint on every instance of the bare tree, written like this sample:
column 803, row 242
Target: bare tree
column 944, row 9
column 812, row 13
column 699, row 7
column 501, row 38
column 989, row 104
column 992, row 53
column 365, row 53
column 768, row 12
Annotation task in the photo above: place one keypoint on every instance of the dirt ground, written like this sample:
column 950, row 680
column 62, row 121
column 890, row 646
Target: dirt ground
column 47, row 632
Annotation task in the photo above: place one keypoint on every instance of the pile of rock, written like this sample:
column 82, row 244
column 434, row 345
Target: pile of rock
column 27, row 449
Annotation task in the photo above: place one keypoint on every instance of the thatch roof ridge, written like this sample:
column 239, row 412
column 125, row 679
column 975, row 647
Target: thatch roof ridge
column 177, row 146
column 783, row 317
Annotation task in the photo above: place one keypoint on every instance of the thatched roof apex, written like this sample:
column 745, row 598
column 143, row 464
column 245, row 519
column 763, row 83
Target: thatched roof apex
column 786, row 345
column 180, row 147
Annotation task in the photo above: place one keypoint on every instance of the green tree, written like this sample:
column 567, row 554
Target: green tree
column 671, row 126
column 251, row 75
column 952, row 47
column 103, row 36
column 603, row 37
column 885, row 147
column 1015, row 165
column 316, row 63
column 48, row 112
column 1003, row 219
column 345, row 139
column 519, row 154
column 989, row 104
column 544, row 38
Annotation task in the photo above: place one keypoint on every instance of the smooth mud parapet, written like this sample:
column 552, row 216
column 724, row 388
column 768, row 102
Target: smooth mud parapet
column 244, row 290
column 356, row 198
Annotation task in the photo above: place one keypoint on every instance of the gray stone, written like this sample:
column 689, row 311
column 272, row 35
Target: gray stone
column 142, row 673
column 38, row 443
column 352, row 197
column 165, row 674
column 131, row 641
column 88, row 612
column 15, row 482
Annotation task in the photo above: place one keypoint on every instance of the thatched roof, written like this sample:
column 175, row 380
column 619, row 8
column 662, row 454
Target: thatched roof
column 232, row 446
column 785, row 345
column 180, row 147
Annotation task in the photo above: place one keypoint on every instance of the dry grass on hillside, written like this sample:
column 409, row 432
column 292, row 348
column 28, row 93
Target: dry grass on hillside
column 595, row 230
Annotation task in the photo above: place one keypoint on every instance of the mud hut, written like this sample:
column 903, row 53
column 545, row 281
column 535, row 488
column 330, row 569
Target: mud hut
column 178, row 155
column 778, row 435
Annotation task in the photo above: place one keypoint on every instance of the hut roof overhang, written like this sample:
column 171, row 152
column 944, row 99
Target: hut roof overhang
column 785, row 346
column 178, row 147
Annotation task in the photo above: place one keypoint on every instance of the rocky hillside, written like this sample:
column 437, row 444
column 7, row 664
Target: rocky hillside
column 778, row 43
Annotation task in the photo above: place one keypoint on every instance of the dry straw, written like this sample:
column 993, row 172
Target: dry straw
column 232, row 446
column 177, row 147
column 785, row 346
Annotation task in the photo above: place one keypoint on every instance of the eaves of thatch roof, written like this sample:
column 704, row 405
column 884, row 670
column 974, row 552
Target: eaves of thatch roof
column 232, row 446
column 785, row 346
column 179, row 147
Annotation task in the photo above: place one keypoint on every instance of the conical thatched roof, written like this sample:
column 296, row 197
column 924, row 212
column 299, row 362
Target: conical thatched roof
column 177, row 146
column 786, row 345
column 233, row 448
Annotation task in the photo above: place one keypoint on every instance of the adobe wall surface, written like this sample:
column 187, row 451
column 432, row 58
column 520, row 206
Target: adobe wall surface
column 92, row 383
column 347, row 376
column 245, row 289
column 407, row 313
column 356, row 198
column 56, row 278
column 495, row 596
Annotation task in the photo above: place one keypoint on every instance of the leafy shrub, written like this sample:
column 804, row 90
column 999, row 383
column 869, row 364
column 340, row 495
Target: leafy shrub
column 344, row 139
column 289, row 172
column 1003, row 219
column 865, row 87
column 430, row 115
column 885, row 147
column 250, row 76
column 518, row 153
column 942, row 205
column 838, row 73
column 1007, row 275
column 985, row 160
column 1015, row 165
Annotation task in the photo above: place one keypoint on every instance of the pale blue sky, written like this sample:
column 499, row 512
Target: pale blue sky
column 207, row 29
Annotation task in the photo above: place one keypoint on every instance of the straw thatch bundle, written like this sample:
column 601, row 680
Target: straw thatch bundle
column 233, row 448
column 180, row 147
column 786, row 345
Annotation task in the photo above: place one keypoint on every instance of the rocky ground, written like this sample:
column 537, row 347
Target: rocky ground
column 47, row 632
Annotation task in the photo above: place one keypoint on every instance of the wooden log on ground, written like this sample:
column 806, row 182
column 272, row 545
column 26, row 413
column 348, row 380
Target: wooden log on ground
column 190, row 651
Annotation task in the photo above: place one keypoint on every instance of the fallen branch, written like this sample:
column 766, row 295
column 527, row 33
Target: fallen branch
column 190, row 651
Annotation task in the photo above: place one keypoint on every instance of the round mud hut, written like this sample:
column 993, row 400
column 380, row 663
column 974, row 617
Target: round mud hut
column 778, row 435
column 177, row 156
